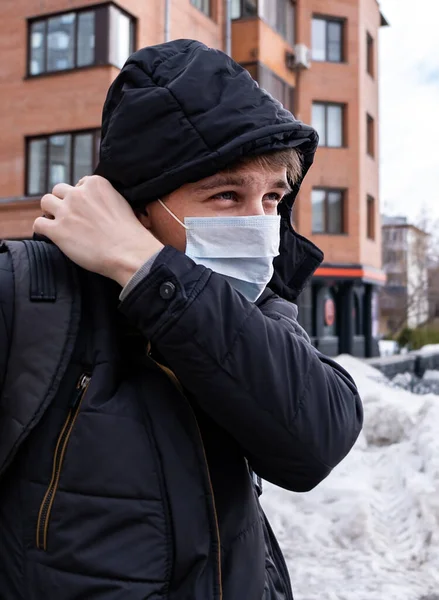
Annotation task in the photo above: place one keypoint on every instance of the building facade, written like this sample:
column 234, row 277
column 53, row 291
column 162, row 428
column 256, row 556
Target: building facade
column 318, row 57
column 405, row 298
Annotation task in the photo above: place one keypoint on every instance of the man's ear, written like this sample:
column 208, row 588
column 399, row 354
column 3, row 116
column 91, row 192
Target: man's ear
column 143, row 216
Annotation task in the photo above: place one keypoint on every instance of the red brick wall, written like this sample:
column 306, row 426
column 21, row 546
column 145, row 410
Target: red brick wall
column 64, row 102
column 74, row 101
column 348, row 167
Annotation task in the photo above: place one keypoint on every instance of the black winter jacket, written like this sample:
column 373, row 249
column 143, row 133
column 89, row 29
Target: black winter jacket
column 135, row 482
column 151, row 480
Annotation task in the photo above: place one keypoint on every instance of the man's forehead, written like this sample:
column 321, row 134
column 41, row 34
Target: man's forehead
column 245, row 178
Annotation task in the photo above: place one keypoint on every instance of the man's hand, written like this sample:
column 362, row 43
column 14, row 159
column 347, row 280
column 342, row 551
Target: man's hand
column 96, row 228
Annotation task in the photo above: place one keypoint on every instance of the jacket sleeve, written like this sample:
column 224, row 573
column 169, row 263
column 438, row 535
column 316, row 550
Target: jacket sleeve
column 295, row 412
column 6, row 311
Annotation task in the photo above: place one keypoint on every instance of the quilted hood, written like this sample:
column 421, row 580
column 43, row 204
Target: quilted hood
column 179, row 112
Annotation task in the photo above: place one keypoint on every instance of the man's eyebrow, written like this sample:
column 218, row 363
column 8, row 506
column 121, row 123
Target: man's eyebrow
column 282, row 184
column 238, row 181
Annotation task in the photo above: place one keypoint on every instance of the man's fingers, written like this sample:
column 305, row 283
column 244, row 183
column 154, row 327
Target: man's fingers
column 61, row 189
column 43, row 226
column 81, row 181
column 50, row 204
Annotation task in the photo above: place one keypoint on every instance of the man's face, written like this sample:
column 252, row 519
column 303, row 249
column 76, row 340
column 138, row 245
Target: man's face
column 247, row 191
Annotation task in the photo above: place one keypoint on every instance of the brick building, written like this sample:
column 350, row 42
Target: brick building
column 319, row 57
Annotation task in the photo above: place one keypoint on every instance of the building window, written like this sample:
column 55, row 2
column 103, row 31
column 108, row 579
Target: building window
column 280, row 15
column 63, row 157
column 203, row 5
column 370, row 124
column 328, row 120
column 327, row 39
column 240, row 9
column 327, row 211
column 102, row 35
column 371, row 217
column 370, row 54
column 276, row 87
column 272, row 83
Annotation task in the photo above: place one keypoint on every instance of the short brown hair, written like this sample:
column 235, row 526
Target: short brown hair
column 291, row 159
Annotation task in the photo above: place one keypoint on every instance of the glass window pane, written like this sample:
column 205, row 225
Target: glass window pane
column 37, row 160
column 268, row 11
column 335, row 212
column 334, row 41
column 318, row 39
column 275, row 86
column 335, row 126
column 120, row 37
column 370, row 54
column 281, row 21
column 59, row 159
column 83, row 156
column 318, row 211
column 85, row 54
column 37, row 48
column 60, row 42
column 250, row 8
column 291, row 23
column 235, row 9
column 318, row 121
column 371, row 218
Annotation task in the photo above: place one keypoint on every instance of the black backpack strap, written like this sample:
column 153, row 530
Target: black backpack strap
column 47, row 312
column 42, row 260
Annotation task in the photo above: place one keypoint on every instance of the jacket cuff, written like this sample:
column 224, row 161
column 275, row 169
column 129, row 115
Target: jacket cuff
column 138, row 276
column 158, row 300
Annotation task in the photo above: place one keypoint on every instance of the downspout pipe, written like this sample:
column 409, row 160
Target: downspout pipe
column 228, row 24
column 167, row 27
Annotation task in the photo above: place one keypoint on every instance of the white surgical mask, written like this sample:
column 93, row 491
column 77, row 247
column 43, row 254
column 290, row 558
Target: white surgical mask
column 241, row 249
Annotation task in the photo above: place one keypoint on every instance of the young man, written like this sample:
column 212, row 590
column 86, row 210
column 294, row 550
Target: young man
column 134, row 476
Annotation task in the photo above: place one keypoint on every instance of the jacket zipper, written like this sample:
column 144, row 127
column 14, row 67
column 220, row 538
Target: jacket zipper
column 171, row 375
column 58, row 459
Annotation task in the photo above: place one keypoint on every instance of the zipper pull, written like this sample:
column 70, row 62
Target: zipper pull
column 81, row 386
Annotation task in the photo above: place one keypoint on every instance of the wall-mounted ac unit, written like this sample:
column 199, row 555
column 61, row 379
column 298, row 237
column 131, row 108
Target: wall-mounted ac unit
column 300, row 58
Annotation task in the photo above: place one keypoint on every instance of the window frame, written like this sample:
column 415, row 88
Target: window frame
column 343, row 220
column 96, row 133
column 370, row 217
column 209, row 3
column 370, row 55
column 331, row 19
column 343, row 107
column 259, row 67
column 279, row 22
column 102, row 37
column 370, row 135
column 243, row 14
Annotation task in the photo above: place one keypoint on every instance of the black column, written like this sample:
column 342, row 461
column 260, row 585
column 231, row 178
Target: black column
column 371, row 344
column 305, row 310
column 346, row 317
column 368, row 320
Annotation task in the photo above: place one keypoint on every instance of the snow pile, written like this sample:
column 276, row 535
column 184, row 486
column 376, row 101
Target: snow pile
column 371, row 530
column 429, row 349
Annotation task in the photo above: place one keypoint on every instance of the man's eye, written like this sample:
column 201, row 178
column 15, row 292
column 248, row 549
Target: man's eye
column 274, row 197
column 225, row 196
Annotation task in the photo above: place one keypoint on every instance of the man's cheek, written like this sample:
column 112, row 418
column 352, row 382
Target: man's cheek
column 171, row 235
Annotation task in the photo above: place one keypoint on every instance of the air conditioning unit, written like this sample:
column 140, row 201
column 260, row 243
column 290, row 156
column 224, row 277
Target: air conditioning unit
column 300, row 58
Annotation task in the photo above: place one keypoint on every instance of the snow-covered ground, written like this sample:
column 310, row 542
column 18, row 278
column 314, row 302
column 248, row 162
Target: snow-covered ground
column 371, row 530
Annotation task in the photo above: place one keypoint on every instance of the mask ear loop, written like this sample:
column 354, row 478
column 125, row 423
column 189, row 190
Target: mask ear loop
column 172, row 214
